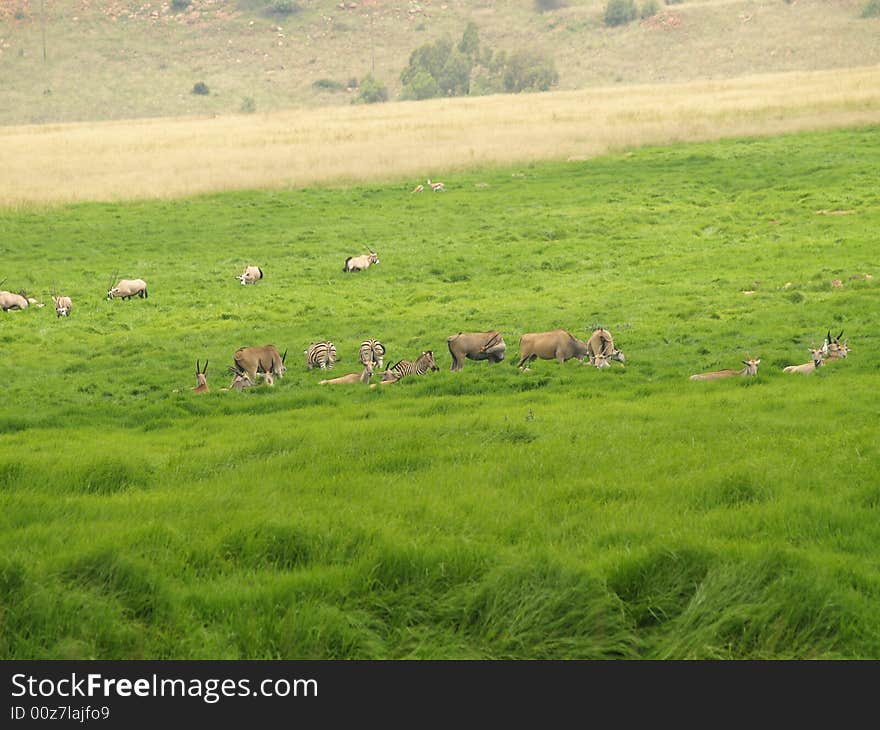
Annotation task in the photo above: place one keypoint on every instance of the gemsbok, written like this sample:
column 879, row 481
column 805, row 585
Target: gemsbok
column 361, row 377
column 128, row 288
column 63, row 305
column 250, row 275
column 751, row 368
column 201, row 378
column 808, row 368
column 12, row 301
column 359, row 263
column 602, row 350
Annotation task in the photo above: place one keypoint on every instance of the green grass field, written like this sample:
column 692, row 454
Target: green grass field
column 564, row 512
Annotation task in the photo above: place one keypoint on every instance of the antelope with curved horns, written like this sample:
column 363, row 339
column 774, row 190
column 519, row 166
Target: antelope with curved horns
column 808, row 368
column 201, row 378
column 751, row 368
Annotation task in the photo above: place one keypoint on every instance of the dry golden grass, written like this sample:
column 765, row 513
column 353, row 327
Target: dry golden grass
column 412, row 140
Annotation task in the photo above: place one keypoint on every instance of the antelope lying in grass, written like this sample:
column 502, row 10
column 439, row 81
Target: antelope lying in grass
column 808, row 368
column 751, row 368
column 11, row 300
column 363, row 377
column 201, row 378
column 833, row 348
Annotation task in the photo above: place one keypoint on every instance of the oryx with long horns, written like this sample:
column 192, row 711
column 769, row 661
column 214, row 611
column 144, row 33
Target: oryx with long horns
column 127, row 288
column 201, row 378
column 358, row 263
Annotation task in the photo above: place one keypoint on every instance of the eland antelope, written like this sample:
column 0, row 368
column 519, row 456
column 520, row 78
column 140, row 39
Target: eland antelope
column 808, row 368
column 559, row 345
column 751, row 368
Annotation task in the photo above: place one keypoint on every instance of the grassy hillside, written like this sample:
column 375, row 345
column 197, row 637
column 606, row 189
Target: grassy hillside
column 561, row 512
column 114, row 59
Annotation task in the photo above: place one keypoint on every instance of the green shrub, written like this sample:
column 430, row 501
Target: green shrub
column 871, row 9
column 200, row 88
column 371, row 91
column 649, row 9
column 620, row 12
column 327, row 85
column 178, row 5
column 283, row 7
column 248, row 105
column 421, row 86
column 545, row 6
column 529, row 71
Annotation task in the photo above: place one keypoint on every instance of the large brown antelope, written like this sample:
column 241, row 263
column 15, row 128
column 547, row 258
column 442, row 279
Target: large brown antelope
column 250, row 360
column 128, row 288
column 362, row 377
column 751, row 368
column 11, row 300
column 808, row 368
column 358, row 263
column 63, row 305
column 559, row 344
column 602, row 350
column 201, row 378
column 250, row 275
column 475, row 346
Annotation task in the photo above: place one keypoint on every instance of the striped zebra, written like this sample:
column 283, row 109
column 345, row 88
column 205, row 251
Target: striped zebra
column 408, row 367
column 321, row 355
column 372, row 351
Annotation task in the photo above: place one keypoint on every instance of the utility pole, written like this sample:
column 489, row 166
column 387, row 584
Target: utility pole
column 43, row 24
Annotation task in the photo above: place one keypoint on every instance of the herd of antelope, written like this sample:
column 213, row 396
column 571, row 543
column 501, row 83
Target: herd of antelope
column 264, row 364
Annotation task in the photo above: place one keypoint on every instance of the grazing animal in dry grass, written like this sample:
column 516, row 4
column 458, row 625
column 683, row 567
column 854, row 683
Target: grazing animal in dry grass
column 201, row 378
column 250, row 275
column 63, row 305
column 266, row 359
column 559, row 344
column 358, row 263
column 361, row 377
column 602, row 350
column 751, row 368
column 475, row 346
column 128, row 288
column 402, row 368
column 320, row 355
column 12, row 301
column 808, row 368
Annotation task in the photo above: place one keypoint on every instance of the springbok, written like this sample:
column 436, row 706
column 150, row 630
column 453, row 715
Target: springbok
column 808, row 368
column 418, row 189
column 751, row 368
column 201, row 378
column 362, row 377
column 437, row 187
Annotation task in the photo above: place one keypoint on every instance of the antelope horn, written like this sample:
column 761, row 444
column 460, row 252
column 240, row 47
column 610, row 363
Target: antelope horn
column 284, row 356
column 205, row 369
column 198, row 368
column 840, row 335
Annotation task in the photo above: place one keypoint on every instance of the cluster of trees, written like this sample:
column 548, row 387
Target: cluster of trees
column 444, row 68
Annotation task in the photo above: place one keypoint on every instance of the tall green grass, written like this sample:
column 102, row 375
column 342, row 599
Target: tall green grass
column 564, row 512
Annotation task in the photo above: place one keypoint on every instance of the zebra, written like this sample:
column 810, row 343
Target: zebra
column 372, row 351
column 321, row 355
column 408, row 367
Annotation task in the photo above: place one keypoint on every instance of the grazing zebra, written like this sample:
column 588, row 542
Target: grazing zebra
column 408, row 367
column 372, row 351
column 321, row 355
